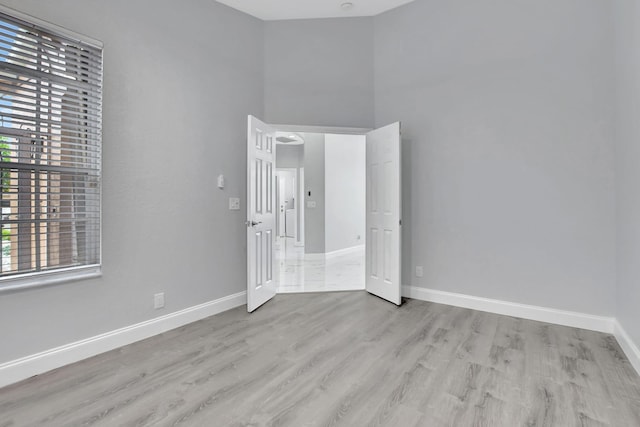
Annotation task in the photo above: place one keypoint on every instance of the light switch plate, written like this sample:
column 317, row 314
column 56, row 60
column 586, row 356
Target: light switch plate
column 419, row 271
column 234, row 203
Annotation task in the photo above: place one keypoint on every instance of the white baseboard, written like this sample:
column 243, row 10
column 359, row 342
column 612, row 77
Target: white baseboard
column 26, row 367
column 334, row 254
column 531, row 312
column 344, row 251
column 628, row 346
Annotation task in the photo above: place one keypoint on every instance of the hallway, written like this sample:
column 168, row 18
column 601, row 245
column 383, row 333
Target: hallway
column 296, row 271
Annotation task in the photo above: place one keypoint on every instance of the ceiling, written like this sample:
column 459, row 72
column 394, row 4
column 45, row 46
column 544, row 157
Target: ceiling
column 270, row 10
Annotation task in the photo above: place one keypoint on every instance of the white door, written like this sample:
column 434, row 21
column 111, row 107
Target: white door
column 261, row 157
column 384, row 204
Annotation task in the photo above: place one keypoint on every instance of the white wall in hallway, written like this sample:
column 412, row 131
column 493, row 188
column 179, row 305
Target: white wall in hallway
column 345, row 191
column 289, row 156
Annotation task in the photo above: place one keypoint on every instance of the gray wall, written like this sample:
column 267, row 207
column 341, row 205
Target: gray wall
column 319, row 72
column 175, row 106
column 506, row 110
column 627, row 19
column 314, row 230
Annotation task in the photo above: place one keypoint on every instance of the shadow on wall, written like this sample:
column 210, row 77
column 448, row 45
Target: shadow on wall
column 407, row 220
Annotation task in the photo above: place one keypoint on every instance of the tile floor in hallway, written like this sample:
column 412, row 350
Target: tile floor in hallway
column 300, row 272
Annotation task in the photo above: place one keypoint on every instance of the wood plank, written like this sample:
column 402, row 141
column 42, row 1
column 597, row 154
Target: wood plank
column 342, row 359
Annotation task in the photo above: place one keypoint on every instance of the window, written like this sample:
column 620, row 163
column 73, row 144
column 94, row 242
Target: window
column 50, row 152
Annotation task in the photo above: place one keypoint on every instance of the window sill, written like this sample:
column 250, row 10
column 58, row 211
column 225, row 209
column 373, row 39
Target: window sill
column 36, row 280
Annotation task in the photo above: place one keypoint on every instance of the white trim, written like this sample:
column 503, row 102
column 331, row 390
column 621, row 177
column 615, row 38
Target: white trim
column 72, row 35
column 318, row 289
column 525, row 311
column 26, row 367
column 631, row 350
column 65, row 274
column 336, row 130
column 334, row 254
column 47, row 278
column 345, row 251
column 300, row 206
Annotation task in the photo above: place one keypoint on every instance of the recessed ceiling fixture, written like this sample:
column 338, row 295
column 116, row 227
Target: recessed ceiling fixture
column 346, row 6
column 289, row 138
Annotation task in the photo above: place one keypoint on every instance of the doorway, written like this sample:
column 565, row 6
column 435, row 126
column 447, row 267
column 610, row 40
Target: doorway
column 381, row 235
column 287, row 202
column 331, row 204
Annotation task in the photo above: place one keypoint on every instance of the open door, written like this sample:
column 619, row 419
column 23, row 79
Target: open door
column 384, row 208
column 261, row 147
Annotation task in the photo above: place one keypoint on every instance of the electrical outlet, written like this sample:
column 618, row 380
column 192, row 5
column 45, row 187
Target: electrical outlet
column 419, row 271
column 158, row 300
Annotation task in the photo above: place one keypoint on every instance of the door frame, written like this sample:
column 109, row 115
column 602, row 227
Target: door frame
column 300, row 226
column 336, row 130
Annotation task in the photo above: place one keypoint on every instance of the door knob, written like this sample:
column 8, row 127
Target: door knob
column 252, row 223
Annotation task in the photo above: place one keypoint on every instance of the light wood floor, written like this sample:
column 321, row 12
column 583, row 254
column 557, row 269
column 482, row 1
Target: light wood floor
column 342, row 359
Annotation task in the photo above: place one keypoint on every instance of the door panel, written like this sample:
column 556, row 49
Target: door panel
column 384, row 204
column 260, row 213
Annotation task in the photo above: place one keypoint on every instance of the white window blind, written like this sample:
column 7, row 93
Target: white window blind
column 50, row 149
